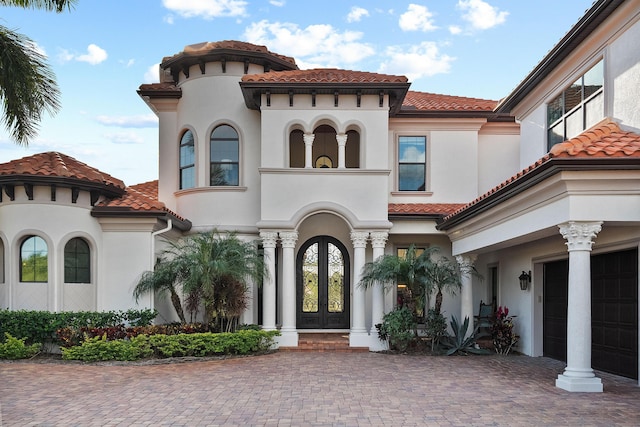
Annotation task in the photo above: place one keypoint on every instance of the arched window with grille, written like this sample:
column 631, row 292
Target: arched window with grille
column 34, row 260
column 77, row 261
column 187, row 161
column 225, row 154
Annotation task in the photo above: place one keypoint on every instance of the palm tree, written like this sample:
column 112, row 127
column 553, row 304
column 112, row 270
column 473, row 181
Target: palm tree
column 27, row 84
column 161, row 280
column 213, row 271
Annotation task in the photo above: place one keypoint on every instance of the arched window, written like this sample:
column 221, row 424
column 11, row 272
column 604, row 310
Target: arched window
column 187, row 161
column 352, row 159
column 34, row 260
column 77, row 261
column 224, row 156
column 296, row 149
column 325, row 147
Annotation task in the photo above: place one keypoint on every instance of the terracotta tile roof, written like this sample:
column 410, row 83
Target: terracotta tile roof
column 149, row 188
column 323, row 75
column 206, row 47
column 436, row 102
column 423, row 208
column 58, row 165
column 160, row 87
column 604, row 140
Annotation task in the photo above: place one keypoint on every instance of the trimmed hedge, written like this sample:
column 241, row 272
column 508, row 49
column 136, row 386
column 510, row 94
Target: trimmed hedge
column 41, row 326
column 163, row 346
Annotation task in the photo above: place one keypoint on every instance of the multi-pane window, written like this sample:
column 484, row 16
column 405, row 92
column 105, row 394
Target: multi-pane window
column 34, row 260
column 577, row 108
column 77, row 261
column 412, row 171
column 224, row 156
column 187, row 161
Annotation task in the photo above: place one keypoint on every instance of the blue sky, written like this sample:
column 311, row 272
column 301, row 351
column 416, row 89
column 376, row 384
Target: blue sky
column 102, row 51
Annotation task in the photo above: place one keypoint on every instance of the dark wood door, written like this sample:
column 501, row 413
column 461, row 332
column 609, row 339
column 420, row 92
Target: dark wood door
column 322, row 277
column 614, row 312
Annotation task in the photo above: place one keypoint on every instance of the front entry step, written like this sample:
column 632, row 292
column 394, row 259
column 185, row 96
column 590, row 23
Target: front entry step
column 324, row 342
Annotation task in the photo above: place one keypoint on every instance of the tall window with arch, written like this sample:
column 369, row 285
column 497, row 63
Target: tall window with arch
column 225, row 154
column 187, row 161
column 77, row 261
column 34, row 260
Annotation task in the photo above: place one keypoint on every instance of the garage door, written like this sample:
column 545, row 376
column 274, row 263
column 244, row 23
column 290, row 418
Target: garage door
column 614, row 311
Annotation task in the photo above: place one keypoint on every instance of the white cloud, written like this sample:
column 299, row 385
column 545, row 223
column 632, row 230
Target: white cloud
column 128, row 63
column 168, row 19
column 356, row 14
column 314, row 46
column 454, row 29
column 207, row 9
column 421, row 60
column 124, row 138
column 417, row 18
column 481, row 15
column 139, row 121
column 277, row 3
column 95, row 55
column 152, row 75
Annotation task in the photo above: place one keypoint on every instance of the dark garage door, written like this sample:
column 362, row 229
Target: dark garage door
column 614, row 311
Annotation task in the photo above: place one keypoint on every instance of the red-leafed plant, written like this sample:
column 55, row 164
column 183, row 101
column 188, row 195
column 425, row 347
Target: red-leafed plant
column 504, row 337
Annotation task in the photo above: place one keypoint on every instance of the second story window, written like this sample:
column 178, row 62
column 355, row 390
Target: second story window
column 577, row 108
column 187, row 161
column 412, row 170
column 225, row 153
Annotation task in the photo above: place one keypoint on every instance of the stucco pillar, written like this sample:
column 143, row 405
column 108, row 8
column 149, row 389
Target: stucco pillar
column 578, row 375
column 466, row 293
column 308, row 149
column 359, row 335
column 378, row 242
column 289, row 333
column 342, row 142
column 269, row 239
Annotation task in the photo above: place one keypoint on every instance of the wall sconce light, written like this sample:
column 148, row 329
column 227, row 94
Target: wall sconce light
column 525, row 279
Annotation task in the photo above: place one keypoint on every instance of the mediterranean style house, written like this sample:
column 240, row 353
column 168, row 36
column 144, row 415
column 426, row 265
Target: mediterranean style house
column 327, row 169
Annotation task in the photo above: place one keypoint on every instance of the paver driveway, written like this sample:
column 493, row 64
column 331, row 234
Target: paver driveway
column 314, row 389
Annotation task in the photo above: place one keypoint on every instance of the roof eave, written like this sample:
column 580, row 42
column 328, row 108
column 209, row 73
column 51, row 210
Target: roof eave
column 455, row 114
column 107, row 190
column 125, row 212
column 593, row 17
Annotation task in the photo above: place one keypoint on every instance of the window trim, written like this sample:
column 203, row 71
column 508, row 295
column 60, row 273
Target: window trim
column 23, row 240
column 427, row 180
column 238, row 162
column 580, row 106
column 192, row 165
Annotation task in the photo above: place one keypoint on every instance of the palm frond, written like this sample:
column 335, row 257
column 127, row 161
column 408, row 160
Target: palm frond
column 48, row 5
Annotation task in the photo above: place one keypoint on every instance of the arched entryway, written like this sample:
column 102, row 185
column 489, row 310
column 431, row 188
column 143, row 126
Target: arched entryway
column 323, row 284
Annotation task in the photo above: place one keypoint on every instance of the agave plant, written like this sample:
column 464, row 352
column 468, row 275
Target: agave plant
column 460, row 342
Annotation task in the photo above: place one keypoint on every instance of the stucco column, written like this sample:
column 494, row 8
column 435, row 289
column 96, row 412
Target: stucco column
column 289, row 334
column 378, row 241
column 359, row 335
column 342, row 142
column 578, row 375
column 308, row 149
column 466, row 293
column 269, row 239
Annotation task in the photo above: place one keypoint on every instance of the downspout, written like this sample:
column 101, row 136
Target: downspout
column 153, row 251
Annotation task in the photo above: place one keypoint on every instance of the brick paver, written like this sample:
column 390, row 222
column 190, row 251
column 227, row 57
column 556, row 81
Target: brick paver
column 311, row 389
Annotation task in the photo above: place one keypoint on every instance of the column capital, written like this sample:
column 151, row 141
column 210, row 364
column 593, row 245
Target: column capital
column 269, row 238
column 359, row 239
column 308, row 138
column 580, row 235
column 379, row 238
column 342, row 139
column 288, row 238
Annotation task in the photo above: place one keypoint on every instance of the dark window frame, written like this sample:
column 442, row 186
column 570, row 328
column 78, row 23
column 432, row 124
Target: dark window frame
column 32, row 261
column 187, row 168
column 215, row 178
column 77, row 261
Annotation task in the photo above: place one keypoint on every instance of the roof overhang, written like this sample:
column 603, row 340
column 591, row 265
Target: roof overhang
column 123, row 212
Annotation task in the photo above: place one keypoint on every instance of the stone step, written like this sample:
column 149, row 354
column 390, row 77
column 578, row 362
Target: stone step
column 324, row 342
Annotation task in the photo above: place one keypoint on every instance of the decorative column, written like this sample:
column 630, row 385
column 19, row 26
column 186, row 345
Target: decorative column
column 342, row 142
column 289, row 337
column 308, row 149
column 269, row 239
column 378, row 242
column 359, row 335
column 578, row 375
column 466, row 293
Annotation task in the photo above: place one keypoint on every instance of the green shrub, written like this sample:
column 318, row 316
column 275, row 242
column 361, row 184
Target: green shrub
column 162, row 346
column 398, row 326
column 41, row 326
column 15, row 348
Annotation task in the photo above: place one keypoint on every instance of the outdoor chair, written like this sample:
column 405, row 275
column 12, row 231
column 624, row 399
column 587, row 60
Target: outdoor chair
column 484, row 319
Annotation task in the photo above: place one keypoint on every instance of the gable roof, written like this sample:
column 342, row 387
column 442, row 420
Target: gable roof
column 56, row 168
column 602, row 147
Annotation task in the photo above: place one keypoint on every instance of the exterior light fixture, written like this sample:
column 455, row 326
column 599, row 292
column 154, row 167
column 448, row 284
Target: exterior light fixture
column 525, row 279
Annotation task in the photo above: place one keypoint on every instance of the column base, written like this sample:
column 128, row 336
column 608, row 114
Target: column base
column 287, row 339
column 359, row 338
column 579, row 384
